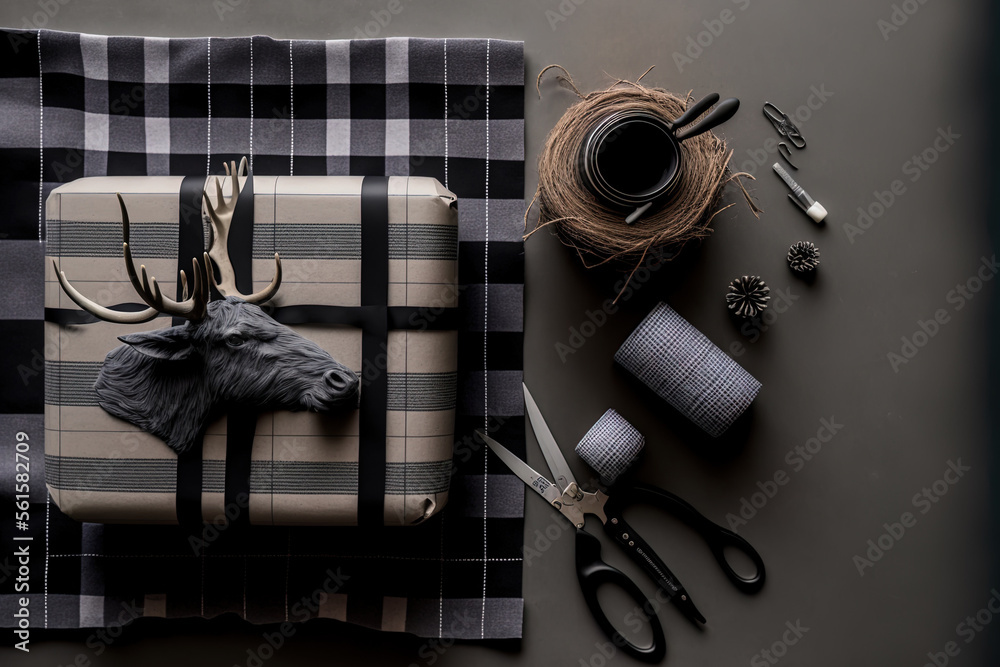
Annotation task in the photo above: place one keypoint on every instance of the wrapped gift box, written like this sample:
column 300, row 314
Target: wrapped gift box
column 304, row 468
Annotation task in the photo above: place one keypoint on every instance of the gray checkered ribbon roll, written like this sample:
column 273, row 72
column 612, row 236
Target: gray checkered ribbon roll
column 687, row 370
column 610, row 446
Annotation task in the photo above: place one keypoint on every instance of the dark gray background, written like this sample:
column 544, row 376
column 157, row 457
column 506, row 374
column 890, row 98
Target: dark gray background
column 824, row 357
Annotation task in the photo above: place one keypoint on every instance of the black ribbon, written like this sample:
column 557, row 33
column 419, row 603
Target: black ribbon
column 190, row 243
column 241, row 237
column 374, row 380
column 189, row 485
column 190, row 231
column 241, row 426
column 241, row 420
column 398, row 318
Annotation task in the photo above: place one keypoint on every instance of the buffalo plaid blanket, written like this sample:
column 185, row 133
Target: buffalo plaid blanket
column 74, row 105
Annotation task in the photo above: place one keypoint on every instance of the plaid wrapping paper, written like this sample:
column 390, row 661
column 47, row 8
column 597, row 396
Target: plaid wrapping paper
column 81, row 105
column 304, row 466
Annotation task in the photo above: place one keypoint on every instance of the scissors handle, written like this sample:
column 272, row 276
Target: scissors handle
column 593, row 573
column 694, row 111
column 717, row 537
column 642, row 553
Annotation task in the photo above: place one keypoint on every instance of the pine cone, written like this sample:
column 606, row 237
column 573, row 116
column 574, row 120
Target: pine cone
column 748, row 296
column 803, row 257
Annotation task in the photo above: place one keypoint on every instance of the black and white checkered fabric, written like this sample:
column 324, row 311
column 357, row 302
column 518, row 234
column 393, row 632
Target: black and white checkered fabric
column 611, row 446
column 684, row 368
column 76, row 105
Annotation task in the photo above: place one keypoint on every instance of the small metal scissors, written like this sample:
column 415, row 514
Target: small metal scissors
column 784, row 125
column 574, row 503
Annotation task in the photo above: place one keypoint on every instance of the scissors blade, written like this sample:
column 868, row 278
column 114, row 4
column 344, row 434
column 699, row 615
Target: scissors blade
column 550, row 448
column 528, row 475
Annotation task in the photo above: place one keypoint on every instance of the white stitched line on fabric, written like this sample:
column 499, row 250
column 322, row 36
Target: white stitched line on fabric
column 441, row 573
column 41, row 182
column 251, row 104
column 285, row 555
column 208, row 172
column 46, row 582
column 446, row 114
column 274, row 248
column 202, row 609
column 486, row 329
column 41, row 151
column 288, row 567
column 406, row 354
column 244, row 588
column 291, row 112
column 208, row 156
column 441, row 584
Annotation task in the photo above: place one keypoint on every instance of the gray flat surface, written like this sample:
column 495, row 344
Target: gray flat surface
column 824, row 357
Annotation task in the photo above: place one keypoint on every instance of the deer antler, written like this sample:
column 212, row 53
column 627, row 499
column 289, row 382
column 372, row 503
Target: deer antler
column 193, row 308
column 221, row 216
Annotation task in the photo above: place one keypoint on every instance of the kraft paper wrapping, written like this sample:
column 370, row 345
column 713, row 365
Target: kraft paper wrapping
column 304, row 465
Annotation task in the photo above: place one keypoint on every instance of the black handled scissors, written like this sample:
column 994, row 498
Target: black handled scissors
column 575, row 504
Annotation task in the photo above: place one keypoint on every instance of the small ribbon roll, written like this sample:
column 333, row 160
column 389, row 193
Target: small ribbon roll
column 610, row 446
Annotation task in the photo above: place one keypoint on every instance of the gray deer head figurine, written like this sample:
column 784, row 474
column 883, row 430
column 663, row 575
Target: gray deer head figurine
column 172, row 382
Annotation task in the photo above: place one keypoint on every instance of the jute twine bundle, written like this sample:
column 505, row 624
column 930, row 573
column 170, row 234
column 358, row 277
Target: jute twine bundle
column 597, row 232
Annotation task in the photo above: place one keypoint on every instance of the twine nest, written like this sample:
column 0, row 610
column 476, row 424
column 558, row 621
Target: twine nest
column 598, row 232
